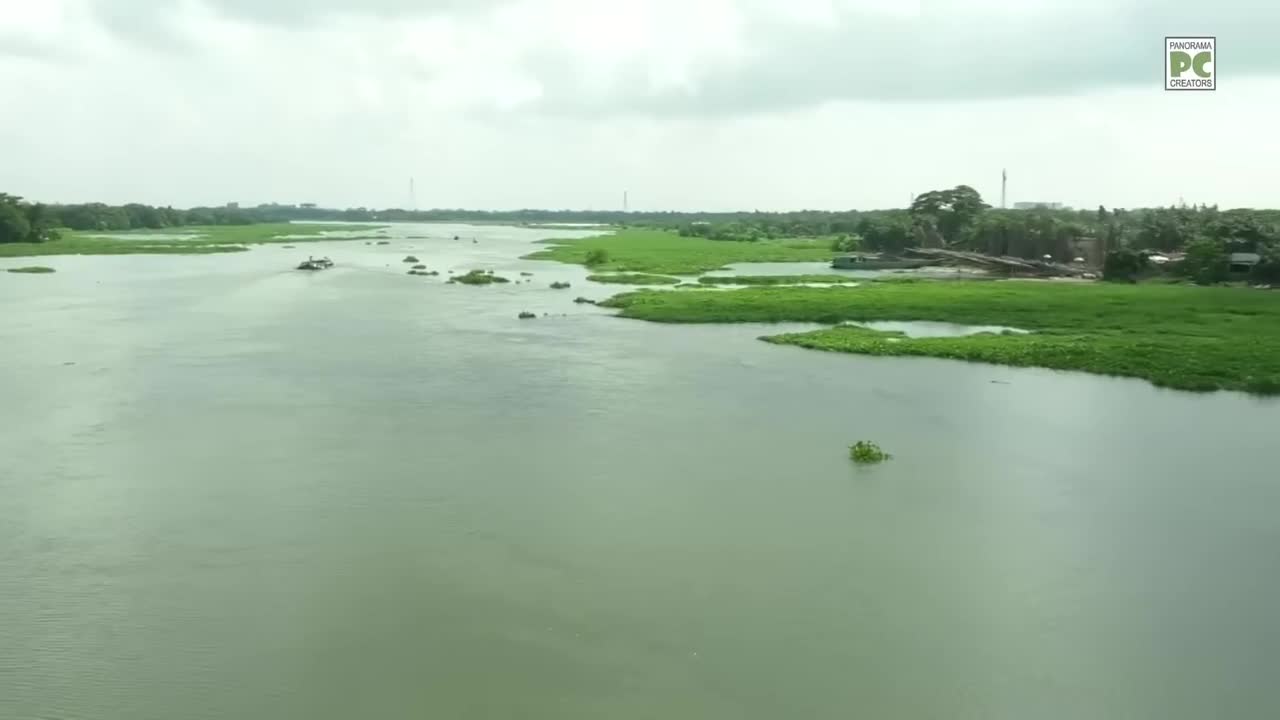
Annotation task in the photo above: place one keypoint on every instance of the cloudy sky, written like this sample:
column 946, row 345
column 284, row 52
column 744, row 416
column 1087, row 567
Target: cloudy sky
column 688, row 104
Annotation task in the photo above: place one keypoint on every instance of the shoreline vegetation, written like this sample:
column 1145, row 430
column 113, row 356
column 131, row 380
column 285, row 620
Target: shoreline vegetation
column 1176, row 336
column 781, row 280
column 32, row 270
column 185, row 240
column 634, row 279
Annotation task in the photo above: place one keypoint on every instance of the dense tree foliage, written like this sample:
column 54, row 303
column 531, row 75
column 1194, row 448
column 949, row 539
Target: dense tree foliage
column 949, row 212
column 1205, row 261
column 25, row 222
column 96, row 216
column 1124, row 265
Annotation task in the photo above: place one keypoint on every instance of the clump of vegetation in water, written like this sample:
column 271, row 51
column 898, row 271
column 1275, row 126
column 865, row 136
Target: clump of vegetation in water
column 560, row 286
column 411, row 259
column 634, row 279
column 526, row 274
column 1178, row 336
column 419, row 267
column 864, row 452
column 526, row 315
column 479, row 277
column 384, row 242
column 33, row 270
column 584, row 301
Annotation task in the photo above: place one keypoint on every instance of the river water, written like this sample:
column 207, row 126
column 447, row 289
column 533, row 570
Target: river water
column 261, row 493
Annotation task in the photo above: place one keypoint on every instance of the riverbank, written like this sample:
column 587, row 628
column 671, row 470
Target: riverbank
column 666, row 253
column 634, row 279
column 1190, row 338
column 780, row 279
column 190, row 240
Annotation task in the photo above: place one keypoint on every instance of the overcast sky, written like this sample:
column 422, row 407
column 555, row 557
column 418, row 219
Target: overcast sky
column 688, row 104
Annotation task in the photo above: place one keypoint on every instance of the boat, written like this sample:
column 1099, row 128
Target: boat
column 316, row 264
column 854, row 261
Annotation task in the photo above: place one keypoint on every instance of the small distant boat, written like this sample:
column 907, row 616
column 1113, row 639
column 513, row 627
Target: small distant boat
column 875, row 262
column 316, row 264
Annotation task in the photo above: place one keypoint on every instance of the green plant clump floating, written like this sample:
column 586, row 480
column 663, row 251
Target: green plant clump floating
column 864, row 452
column 479, row 277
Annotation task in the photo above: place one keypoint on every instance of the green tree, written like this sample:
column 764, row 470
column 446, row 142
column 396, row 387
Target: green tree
column 43, row 223
column 851, row 242
column 1242, row 230
column 1206, row 262
column 953, row 210
column 1123, row 265
column 14, row 226
column 1165, row 229
column 886, row 233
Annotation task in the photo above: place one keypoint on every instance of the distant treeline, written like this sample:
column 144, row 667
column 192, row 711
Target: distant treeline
column 956, row 218
column 22, row 221
column 959, row 218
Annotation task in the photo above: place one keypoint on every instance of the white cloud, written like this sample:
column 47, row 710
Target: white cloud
column 687, row 103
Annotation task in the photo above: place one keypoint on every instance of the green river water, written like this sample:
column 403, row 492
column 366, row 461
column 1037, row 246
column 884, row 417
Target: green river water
column 233, row 490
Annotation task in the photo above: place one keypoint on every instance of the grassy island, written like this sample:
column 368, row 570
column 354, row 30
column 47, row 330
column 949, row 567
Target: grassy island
column 666, row 253
column 1186, row 337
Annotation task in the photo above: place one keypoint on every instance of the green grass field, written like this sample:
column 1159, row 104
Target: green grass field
column 1185, row 337
column 191, row 240
column 666, row 253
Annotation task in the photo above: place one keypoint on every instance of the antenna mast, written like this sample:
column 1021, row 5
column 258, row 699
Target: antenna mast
column 1004, row 188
